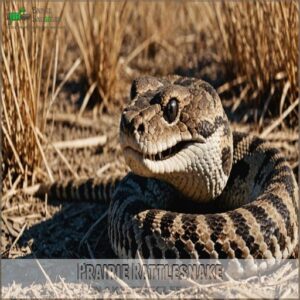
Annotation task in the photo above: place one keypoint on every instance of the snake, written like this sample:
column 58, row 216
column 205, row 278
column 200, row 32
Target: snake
column 196, row 188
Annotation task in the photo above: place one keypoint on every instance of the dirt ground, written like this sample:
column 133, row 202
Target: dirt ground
column 46, row 229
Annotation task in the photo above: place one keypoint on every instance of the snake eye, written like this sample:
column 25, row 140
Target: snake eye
column 171, row 110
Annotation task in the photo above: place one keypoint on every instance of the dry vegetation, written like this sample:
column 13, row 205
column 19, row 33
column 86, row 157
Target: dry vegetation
column 29, row 86
column 254, row 39
column 52, row 76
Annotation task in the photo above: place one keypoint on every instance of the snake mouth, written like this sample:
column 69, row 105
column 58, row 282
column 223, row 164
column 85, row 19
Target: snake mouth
column 168, row 152
column 165, row 154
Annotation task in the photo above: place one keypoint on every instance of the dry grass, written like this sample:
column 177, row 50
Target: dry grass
column 117, row 38
column 98, row 29
column 27, row 63
column 259, row 42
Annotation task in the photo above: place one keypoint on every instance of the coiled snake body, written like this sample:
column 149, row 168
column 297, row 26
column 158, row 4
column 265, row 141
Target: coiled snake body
column 196, row 190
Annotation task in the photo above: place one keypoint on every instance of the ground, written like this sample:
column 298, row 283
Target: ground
column 35, row 228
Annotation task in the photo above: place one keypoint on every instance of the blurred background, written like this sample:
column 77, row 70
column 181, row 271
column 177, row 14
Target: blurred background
column 66, row 74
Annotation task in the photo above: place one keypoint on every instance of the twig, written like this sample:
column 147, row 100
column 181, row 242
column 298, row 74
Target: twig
column 64, row 159
column 104, row 168
column 38, row 143
column 283, row 96
column 31, row 190
column 13, row 190
column 47, row 278
column 12, row 87
column 228, row 85
column 72, row 119
column 19, row 206
column 9, row 228
column 284, row 136
column 17, row 238
column 144, row 271
column 70, row 72
column 90, row 250
column 139, row 49
column 240, row 98
column 266, row 105
column 13, row 148
column 279, row 120
column 87, row 98
column 81, row 143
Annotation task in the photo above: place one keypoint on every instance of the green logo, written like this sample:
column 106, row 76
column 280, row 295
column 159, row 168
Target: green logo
column 18, row 15
column 48, row 19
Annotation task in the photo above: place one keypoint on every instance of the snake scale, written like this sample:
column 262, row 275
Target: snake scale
column 197, row 189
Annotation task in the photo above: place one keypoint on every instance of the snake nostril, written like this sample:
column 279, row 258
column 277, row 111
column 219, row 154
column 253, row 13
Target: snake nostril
column 141, row 129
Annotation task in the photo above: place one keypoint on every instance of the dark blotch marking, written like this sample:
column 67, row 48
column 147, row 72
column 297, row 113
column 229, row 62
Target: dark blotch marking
column 166, row 224
column 256, row 251
column 181, row 249
column 150, row 216
column 194, row 237
column 287, row 181
column 189, row 226
column 237, row 137
column 219, row 249
column 255, row 144
column 238, row 253
column 242, row 229
column 209, row 89
column 226, row 160
column 282, row 209
column 206, row 128
column 219, row 121
column 201, row 250
column 267, row 226
column 216, row 224
column 233, row 245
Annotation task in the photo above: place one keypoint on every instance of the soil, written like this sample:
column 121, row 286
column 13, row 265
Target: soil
column 37, row 228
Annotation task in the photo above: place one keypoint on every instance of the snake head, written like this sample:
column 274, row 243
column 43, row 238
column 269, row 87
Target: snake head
column 175, row 129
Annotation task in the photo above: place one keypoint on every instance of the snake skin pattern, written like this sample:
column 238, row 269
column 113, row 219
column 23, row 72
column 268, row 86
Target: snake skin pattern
column 197, row 189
